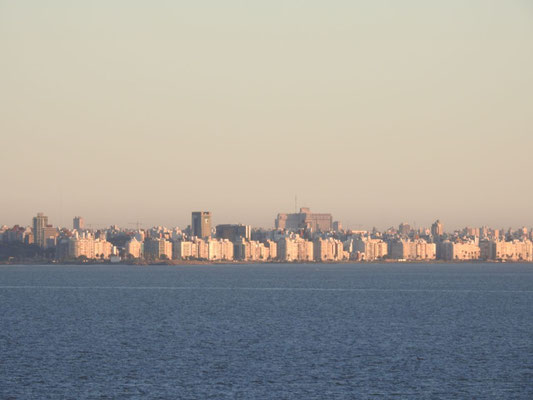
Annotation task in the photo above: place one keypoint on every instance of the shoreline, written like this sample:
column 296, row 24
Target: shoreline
column 274, row 262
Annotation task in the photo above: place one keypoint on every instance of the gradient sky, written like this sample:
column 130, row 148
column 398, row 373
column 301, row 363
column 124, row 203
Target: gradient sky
column 376, row 111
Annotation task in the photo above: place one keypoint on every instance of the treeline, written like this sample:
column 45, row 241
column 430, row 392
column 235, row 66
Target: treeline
column 18, row 251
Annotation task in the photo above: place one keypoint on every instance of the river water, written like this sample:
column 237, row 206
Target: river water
column 414, row 331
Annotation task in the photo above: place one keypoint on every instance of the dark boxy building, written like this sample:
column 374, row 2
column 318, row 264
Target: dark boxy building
column 201, row 224
column 233, row 232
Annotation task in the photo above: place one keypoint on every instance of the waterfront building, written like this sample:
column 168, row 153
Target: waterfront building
column 459, row 251
column 85, row 245
column 242, row 250
column 202, row 249
column 287, row 249
column 219, row 250
column 305, row 250
column 81, row 246
column 103, row 249
column 133, row 248
column 328, row 250
column 226, row 249
column 368, row 249
column 184, row 250
column 272, row 249
column 251, row 250
column 413, row 250
column 295, row 249
column 516, row 250
column 157, row 249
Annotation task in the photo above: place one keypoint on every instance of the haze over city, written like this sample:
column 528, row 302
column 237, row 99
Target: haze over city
column 376, row 112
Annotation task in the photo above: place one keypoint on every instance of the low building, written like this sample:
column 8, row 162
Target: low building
column 251, row 250
column 133, row 248
column 413, row 250
column 328, row 250
column 295, row 249
column 157, row 249
column 184, row 250
column 85, row 246
column 459, row 251
column 364, row 248
column 516, row 250
column 219, row 250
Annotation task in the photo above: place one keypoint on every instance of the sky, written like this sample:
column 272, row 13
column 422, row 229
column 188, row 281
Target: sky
column 379, row 112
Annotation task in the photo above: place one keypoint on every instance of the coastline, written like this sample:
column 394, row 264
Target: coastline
column 273, row 262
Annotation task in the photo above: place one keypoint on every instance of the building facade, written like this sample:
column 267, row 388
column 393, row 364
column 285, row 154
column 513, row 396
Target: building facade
column 201, row 224
column 413, row 250
column 459, row 251
column 233, row 232
column 78, row 223
column 157, row 249
column 133, row 248
column 305, row 219
column 39, row 223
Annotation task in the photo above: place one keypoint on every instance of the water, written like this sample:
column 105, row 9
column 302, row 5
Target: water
column 267, row 332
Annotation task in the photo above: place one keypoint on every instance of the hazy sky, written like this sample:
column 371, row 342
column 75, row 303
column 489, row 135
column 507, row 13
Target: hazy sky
column 376, row 111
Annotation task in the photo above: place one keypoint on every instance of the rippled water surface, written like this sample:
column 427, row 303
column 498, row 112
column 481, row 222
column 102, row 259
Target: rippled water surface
column 267, row 332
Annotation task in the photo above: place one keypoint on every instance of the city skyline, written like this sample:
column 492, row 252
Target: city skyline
column 302, row 218
column 303, row 236
column 354, row 221
column 376, row 112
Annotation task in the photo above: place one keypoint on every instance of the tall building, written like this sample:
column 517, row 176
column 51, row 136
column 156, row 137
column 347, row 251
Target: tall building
column 78, row 223
column 305, row 219
column 201, row 224
column 39, row 223
column 436, row 229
